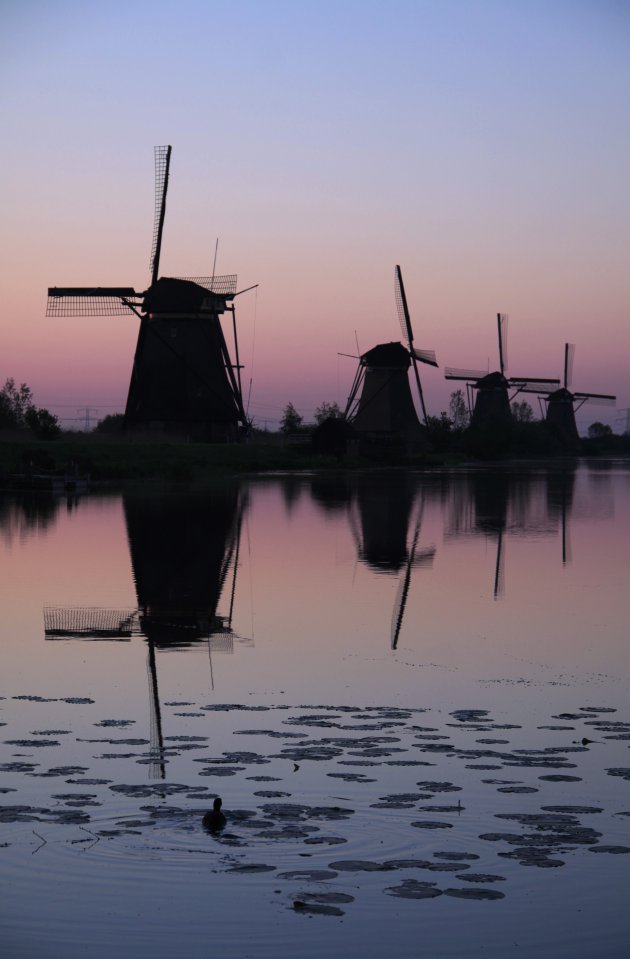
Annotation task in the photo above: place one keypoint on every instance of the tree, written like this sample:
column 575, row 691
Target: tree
column 459, row 410
column 18, row 412
column 327, row 411
column 522, row 412
column 43, row 424
column 599, row 430
column 439, row 429
column 14, row 404
column 291, row 420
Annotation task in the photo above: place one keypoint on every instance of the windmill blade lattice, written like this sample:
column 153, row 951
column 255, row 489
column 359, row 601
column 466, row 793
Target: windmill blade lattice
column 502, row 324
column 402, row 309
column 569, row 354
column 455, row 373
column 599, row 399
column 225, row 285
column 424, row 356
column 162, row 164
column 83, row 301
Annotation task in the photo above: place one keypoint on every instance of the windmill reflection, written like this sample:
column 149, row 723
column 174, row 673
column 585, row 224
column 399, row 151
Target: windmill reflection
column 184, row 556
column 26, row 512
column 499, row 504
column 560, row 490
column 386, row 522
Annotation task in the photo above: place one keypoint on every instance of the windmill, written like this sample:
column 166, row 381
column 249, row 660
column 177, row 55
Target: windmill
column 380, row 401
column 492, row 403
column 562, row 404
column 182, row 379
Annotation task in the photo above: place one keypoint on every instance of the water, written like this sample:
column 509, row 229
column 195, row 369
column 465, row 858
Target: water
column 409, row 690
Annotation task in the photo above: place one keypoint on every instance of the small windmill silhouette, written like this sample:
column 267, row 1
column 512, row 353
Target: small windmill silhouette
column 380, row 399
column 492, row 401
column 562, row 404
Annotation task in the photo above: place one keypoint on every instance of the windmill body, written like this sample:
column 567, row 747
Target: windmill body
column 385, row 404
column 183, row 379
column 380, row 405
column 560, row 417
column 492, row 404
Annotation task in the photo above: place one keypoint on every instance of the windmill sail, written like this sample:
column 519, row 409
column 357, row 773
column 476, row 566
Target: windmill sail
column 569, row 353
column 456, row 373
column 91, row 301
column 423, row 356
column 162, row 166
column 502, row 322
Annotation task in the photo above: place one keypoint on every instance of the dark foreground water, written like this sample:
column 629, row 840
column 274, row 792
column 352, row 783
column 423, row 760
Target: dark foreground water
column 411, row 692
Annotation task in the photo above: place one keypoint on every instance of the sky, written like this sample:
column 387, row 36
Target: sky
column 483, row 145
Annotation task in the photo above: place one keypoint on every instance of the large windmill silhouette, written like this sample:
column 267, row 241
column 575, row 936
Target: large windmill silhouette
column 183, row 379
column 563, row 403
column 492, row 403
column 380, row 400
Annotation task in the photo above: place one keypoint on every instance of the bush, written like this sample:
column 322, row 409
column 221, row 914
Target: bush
column 113, row 423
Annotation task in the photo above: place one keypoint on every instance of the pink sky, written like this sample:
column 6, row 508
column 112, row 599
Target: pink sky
column 483, row 146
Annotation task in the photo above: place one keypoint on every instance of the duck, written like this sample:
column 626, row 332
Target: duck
column 214, row 820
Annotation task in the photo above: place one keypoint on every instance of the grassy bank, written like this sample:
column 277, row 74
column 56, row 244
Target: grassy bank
column 119, row 459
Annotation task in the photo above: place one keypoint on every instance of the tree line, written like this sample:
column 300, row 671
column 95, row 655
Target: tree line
column 459, row 419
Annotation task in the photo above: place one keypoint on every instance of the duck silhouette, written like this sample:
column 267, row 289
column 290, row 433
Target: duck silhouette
column 214, row 820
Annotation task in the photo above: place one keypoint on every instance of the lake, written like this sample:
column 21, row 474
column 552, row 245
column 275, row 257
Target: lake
column 409, row 689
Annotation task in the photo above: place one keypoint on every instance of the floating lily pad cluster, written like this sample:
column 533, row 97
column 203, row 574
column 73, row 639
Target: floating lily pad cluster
column 349, row 749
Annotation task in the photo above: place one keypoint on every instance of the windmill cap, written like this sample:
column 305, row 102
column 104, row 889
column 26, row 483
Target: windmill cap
column 387, row 354
column 171, row 295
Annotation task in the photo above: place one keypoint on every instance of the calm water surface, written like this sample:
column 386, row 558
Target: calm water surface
column 410, row 690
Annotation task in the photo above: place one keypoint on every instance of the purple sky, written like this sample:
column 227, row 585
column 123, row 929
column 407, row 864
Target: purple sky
column 484, row 146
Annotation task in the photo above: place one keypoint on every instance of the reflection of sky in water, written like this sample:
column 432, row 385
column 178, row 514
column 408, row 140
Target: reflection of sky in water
column 504, row 594
column 471, row 570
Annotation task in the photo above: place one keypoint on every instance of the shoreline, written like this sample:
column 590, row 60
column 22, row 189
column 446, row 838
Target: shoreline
column 108, row 462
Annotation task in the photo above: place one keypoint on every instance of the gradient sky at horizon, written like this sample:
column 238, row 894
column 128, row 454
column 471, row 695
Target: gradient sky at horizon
column 484, row 146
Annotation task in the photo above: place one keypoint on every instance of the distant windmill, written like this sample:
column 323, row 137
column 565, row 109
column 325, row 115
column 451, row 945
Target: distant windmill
column 562, row 404
column 492, row 402
column 380, row 400
column 183, row 379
